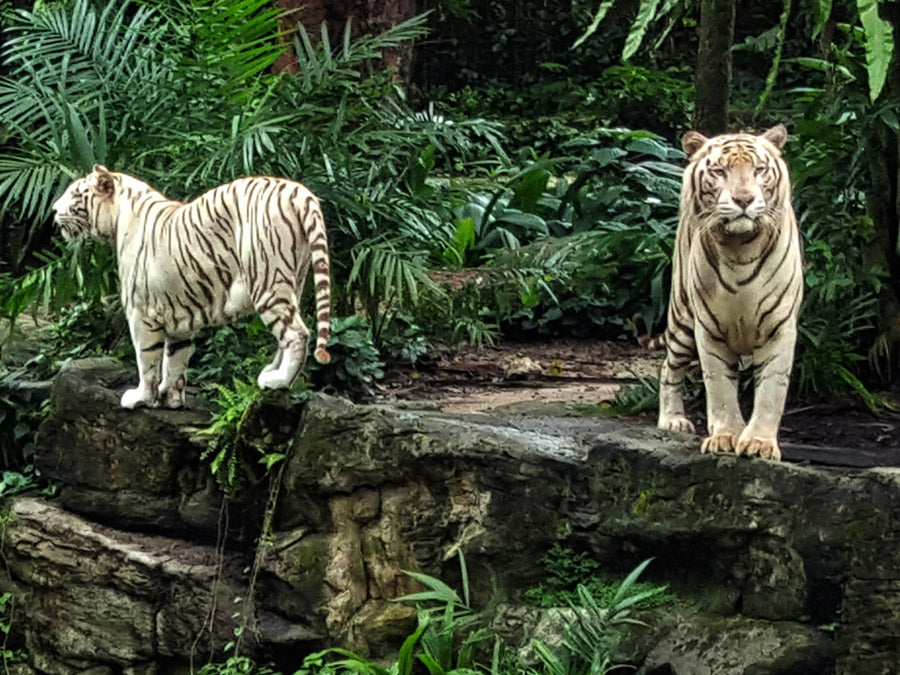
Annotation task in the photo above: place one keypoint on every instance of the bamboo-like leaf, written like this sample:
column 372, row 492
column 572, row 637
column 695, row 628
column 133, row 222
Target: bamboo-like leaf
column 646, row 13
column 346, row 39
column 439, row 590
column 629, row 581
column 602, row 11
column 464, row 575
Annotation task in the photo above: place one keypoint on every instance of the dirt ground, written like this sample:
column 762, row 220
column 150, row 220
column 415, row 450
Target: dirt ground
column 571, row 377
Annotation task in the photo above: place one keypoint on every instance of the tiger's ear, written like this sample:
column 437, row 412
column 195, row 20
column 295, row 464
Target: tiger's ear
column 104, row 185
column 777, row 135
column 692, row 141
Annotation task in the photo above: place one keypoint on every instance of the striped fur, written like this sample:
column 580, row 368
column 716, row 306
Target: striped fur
column 737, row 284
column 242, row 247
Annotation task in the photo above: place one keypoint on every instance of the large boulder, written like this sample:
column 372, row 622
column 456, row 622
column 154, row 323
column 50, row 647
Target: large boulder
column 781, row 568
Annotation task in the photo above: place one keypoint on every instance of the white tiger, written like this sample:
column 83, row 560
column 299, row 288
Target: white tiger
column 737, row 283
column 240, row 247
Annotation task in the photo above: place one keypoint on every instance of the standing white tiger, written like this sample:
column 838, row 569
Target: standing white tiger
column 737, row 284
column 240, row 247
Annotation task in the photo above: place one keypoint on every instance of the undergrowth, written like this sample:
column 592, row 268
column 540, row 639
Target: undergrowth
column 449, row 634
column 452, row 638
column 634, row 398
column 565, row 571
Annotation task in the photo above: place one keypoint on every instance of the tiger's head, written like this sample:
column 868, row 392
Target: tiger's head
column 87, row 205
column 736, row 185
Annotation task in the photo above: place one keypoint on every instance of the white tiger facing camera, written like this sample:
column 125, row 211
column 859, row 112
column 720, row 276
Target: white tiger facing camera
column 737, row 285
column 241, row 247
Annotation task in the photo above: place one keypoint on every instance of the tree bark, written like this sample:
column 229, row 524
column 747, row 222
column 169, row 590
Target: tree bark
column 713, row 74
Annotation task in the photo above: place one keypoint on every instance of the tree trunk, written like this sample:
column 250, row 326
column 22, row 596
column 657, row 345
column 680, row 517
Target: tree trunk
column 367, row 17
column 883, row 205
column 713, row 75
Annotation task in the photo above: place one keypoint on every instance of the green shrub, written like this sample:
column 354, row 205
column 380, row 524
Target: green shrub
column 580, row 253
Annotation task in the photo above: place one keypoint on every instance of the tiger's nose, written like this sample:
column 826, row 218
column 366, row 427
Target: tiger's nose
column 742, row 200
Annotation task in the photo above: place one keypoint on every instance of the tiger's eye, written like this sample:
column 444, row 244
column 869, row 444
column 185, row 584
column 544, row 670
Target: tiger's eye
column 760, row 170
column 717, row 171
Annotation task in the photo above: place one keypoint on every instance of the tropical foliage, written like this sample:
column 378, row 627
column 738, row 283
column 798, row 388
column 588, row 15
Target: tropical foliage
column 542, row 191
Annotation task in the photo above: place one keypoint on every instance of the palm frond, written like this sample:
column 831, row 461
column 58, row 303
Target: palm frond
column 317, row 63
column 385, row 272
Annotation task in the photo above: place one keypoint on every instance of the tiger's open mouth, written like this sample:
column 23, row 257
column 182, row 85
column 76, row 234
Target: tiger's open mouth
column 739, row 226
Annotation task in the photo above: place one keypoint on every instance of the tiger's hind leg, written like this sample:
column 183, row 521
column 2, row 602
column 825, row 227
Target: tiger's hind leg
column 175, row 360
column 283, row 319
column 275, row 364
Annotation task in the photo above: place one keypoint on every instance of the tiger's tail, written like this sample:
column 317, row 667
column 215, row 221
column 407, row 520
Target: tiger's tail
column 321, row 267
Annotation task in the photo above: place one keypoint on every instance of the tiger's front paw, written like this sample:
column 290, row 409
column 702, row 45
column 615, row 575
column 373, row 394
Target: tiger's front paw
column 172, row 395
column 721, row 442
column 675, row 423
column 766, row 448
column 134, row 398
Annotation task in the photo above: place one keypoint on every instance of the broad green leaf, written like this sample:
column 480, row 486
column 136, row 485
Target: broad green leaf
column 420, row 167
column 404, row 663
column 433, row 666
column 822, row 12
column 529, row 221
column 463, row 240
column 648, row 146
column 530, row 188
column 879, row 45
column 271, row 459
column 81, row 149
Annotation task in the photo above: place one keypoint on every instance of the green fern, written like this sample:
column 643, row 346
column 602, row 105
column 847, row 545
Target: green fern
column 100, row 62
column 234, row 406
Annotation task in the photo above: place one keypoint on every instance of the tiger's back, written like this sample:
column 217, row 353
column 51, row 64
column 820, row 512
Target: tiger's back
column 211, row 260
column 244, row 246
column 736, row 288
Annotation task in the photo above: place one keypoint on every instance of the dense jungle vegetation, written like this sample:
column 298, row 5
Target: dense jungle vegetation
column 532, row 145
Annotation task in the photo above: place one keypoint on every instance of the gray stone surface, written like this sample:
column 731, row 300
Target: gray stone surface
column 784, row 568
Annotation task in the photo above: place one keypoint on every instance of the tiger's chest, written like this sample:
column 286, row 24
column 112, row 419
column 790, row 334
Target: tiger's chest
column 734, row 302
